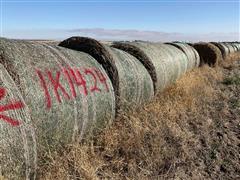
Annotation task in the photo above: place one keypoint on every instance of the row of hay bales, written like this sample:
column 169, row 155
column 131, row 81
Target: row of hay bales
column 213, row 53
column 227, row 48
column 52, row 95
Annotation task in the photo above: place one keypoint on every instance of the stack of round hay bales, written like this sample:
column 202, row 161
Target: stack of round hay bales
column 132, row 82
column 192, row 55
column 68, row 93
column 223, row 48
column 18, row 153
column 165, row 63
column 209, row 53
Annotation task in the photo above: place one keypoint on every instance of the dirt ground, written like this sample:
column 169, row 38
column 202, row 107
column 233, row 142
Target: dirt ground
column 189, row 131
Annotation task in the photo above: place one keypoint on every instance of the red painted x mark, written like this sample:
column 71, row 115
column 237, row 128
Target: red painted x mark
column 9, row 106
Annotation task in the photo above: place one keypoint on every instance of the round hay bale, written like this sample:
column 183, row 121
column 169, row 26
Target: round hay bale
column 68, row 93
column 223, row 48
column 230, row 47
column 192, row 55
column 165, row 63
column 233, row 45
column 96, row 50
column 236, row 48
column 135, row 85
column 209, row 54
column 18, row 153
column 190, row 44
column 50, row 42
column 141, row 56
column 237, row 45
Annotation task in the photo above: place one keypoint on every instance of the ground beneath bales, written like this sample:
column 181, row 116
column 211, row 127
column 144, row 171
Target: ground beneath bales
column 190, row 131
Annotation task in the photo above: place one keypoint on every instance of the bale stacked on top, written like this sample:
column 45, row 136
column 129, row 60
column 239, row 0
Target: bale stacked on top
column 68, row 93
column 165, row 63
column 17, row 138
column 191, row 53
column 209, row 53
column 131, row 80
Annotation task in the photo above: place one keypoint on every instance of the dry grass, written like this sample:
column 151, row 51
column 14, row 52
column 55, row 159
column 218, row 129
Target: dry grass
column 174, row 136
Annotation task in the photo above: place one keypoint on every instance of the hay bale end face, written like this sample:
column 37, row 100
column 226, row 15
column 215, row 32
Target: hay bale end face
column 18, row 153
column 164, row 62
column 68, row 93
column 209, row 54
column 132, row 82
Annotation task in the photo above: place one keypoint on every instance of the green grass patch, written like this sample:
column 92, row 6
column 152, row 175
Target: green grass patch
column 232, row 80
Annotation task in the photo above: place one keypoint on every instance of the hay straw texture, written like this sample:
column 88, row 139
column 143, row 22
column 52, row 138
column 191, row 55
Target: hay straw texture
column 165, row 63
column 230, row 47
column 192, row 55
column 43, row 74
column 17, row 138
column 141, row 56
column 209, row 53
column 234, row 47
column 96, row 50
column 237, row 45
column 135, row 84
column 223, row 48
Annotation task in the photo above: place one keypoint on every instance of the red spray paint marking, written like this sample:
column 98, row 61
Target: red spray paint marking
column 94, row 87
column 74, row 78
column 70, row 81
column 57, row 85
column 44, row 85
column 10, row 106
column 102, row 78
column 79, row 79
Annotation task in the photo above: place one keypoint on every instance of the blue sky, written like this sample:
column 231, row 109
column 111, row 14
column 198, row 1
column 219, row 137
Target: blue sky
column 121, row 19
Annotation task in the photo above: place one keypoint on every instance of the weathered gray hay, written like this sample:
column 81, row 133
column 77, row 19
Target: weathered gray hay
column 55, row 43
column 68, row 93
column 235, row 47
column 141, row 56
column 96, row 50
column 230, row 47
column 17, row 138
column 237, row 44
column 192, row 55
column 223, row 48
column 165, row 63
column 135, row 85
column 209, row 53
